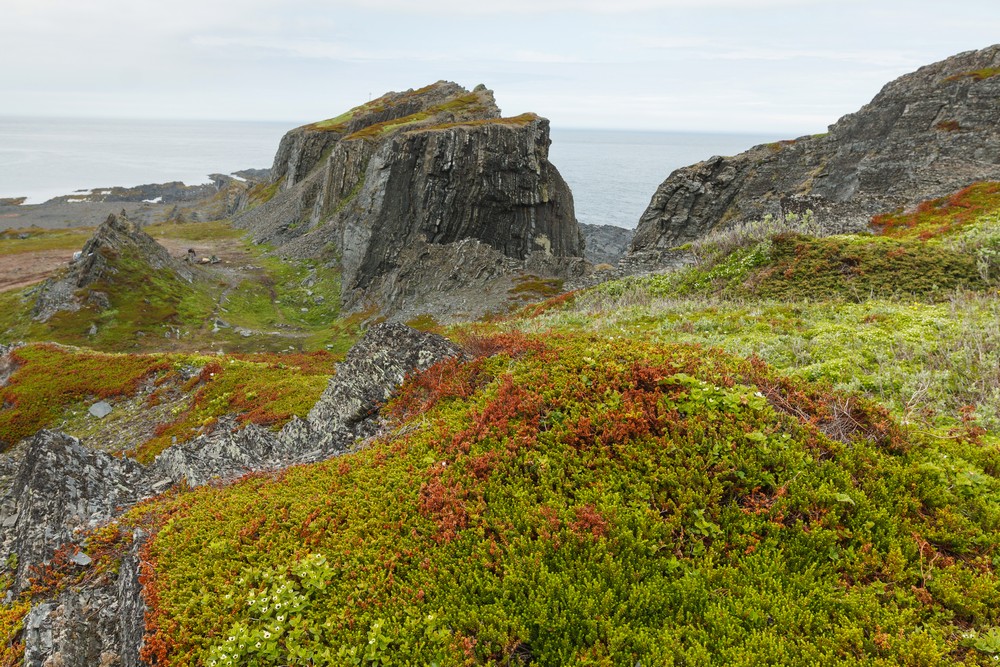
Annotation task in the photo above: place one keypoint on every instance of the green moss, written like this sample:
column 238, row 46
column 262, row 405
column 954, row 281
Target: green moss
column 424, row 322
column 533, row 287
column 585, row 500
column 978, row 75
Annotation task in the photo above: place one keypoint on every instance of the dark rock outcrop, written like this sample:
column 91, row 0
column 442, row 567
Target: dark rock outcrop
column 53, row 488
column 431, row 167
column 62, row 487
column 606, row 244
column 117, row 239
column 924, row 135
column 97, row 625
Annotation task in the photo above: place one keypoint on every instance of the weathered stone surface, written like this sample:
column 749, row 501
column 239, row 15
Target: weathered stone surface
column 100, row 625
column 374, row 367
column 435, row 166
column 101, row 409
column 7, row 363
column 54, row 487
column 606, row 244
column 116, row 237
column 924, row 135
column 60, row 488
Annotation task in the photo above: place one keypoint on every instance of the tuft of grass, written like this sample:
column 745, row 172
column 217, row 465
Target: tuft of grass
column 978, row 75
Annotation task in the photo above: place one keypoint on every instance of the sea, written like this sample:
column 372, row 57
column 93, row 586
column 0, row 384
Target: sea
column 612, row 173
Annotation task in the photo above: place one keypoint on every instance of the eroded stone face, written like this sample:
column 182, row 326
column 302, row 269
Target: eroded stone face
column 926, row 134
column 433, row 167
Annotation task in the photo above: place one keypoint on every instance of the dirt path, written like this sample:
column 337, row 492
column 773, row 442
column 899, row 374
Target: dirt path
column 27, row 268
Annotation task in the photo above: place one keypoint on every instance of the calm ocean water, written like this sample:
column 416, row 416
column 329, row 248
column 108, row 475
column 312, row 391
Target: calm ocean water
column 612, row 173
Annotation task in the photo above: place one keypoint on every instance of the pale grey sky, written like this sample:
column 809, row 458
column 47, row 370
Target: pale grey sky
column 792, row 66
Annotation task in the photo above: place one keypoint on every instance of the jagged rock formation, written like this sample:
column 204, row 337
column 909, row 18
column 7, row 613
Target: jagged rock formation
column 606, row 244
column 97, row 264
column 924, row 135
column 53, row 487
column 430, row 167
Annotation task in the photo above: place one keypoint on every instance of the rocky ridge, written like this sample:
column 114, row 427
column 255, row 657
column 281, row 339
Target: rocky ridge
column 417, row 173
column 54, row 487
column 98, row 262
column 924, row 135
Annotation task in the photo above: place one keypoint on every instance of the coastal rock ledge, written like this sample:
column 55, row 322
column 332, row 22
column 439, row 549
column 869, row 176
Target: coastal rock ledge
column 925, row 135
column 421, row 193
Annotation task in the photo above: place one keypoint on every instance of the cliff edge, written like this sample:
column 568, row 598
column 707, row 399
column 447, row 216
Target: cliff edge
column 431, row 178
column 924, row 135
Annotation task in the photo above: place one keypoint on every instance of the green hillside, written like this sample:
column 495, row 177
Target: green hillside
column 786, row 454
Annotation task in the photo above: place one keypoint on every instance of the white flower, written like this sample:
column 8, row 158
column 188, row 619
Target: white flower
column 267, row 635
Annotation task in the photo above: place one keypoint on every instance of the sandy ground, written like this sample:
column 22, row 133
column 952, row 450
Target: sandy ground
column 23, row 269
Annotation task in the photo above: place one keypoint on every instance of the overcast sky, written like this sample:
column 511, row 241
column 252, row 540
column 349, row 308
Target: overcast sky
column 792, row 66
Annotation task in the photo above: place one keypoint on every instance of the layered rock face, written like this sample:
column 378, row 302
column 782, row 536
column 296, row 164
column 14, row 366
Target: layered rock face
column 432, row 167
column 924, row 135
column 96, row 266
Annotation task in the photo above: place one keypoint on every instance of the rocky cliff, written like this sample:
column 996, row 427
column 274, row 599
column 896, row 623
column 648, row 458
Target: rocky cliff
column 925, row 134
column 430, row 167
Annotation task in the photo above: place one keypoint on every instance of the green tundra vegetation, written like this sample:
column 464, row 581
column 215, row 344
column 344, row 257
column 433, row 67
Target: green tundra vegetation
column 265, row 305
column 786, row 454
